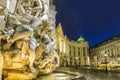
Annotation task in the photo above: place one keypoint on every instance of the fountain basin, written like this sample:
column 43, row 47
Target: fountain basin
column 62, row 75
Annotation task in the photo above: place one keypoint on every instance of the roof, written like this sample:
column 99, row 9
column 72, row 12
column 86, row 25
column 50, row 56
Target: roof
column 111, row 39
column 81, row 39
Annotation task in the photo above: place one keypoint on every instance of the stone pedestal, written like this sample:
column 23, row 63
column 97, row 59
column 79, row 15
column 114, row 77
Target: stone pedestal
column 18, row 75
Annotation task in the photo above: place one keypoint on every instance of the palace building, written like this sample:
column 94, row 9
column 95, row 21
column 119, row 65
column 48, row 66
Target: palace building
column 72, row 53
column 106, row 54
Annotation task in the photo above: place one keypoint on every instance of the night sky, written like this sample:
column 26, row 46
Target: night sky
column 95, row 20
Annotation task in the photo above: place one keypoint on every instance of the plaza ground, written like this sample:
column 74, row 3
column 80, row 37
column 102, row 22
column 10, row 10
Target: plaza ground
column 92, row 74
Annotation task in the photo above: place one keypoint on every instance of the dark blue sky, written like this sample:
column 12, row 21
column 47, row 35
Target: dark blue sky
column 95, row 20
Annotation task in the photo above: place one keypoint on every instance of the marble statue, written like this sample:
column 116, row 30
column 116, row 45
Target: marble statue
column 27, row 40
column 44, row 16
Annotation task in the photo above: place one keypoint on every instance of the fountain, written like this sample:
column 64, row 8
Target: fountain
column 27, row 40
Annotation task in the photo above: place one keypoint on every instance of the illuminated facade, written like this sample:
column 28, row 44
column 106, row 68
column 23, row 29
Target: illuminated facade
column 72, row 53
column 106, row 54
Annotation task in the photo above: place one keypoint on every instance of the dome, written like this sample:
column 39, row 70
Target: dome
column 81, row 39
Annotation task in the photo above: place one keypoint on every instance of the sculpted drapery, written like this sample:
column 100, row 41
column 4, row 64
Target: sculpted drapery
column 27, row 40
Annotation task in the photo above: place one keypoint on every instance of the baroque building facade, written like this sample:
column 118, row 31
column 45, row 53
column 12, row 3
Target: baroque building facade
column 106, row 54
column 72, row 53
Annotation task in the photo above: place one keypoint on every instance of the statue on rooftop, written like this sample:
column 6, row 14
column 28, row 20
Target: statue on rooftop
column 27, row 41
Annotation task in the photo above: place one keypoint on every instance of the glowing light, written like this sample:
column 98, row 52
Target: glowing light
column 64, row 48
column 60, row 44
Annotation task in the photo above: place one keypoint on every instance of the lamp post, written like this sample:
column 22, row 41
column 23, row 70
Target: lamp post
column 64, row 61
column 67, row 62
column 76, row 62
column 118, row 62
column 105, row 55
column 95, row 62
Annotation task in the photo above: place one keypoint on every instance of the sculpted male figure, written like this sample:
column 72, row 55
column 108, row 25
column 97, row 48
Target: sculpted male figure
column 46, row 10
column 30, row 8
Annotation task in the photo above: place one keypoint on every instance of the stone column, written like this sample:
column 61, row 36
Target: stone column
column 82, row 57
column 86, row 55
column 76, row 51
column 116, row 60
column 68, row 53
column 62, row 47
column 114, row 55
column 72, row 56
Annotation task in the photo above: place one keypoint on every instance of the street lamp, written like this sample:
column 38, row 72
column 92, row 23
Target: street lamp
column 95, row 62
column 67, row 62
column 105, row 55
column 76, row 62
column 119, row 62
